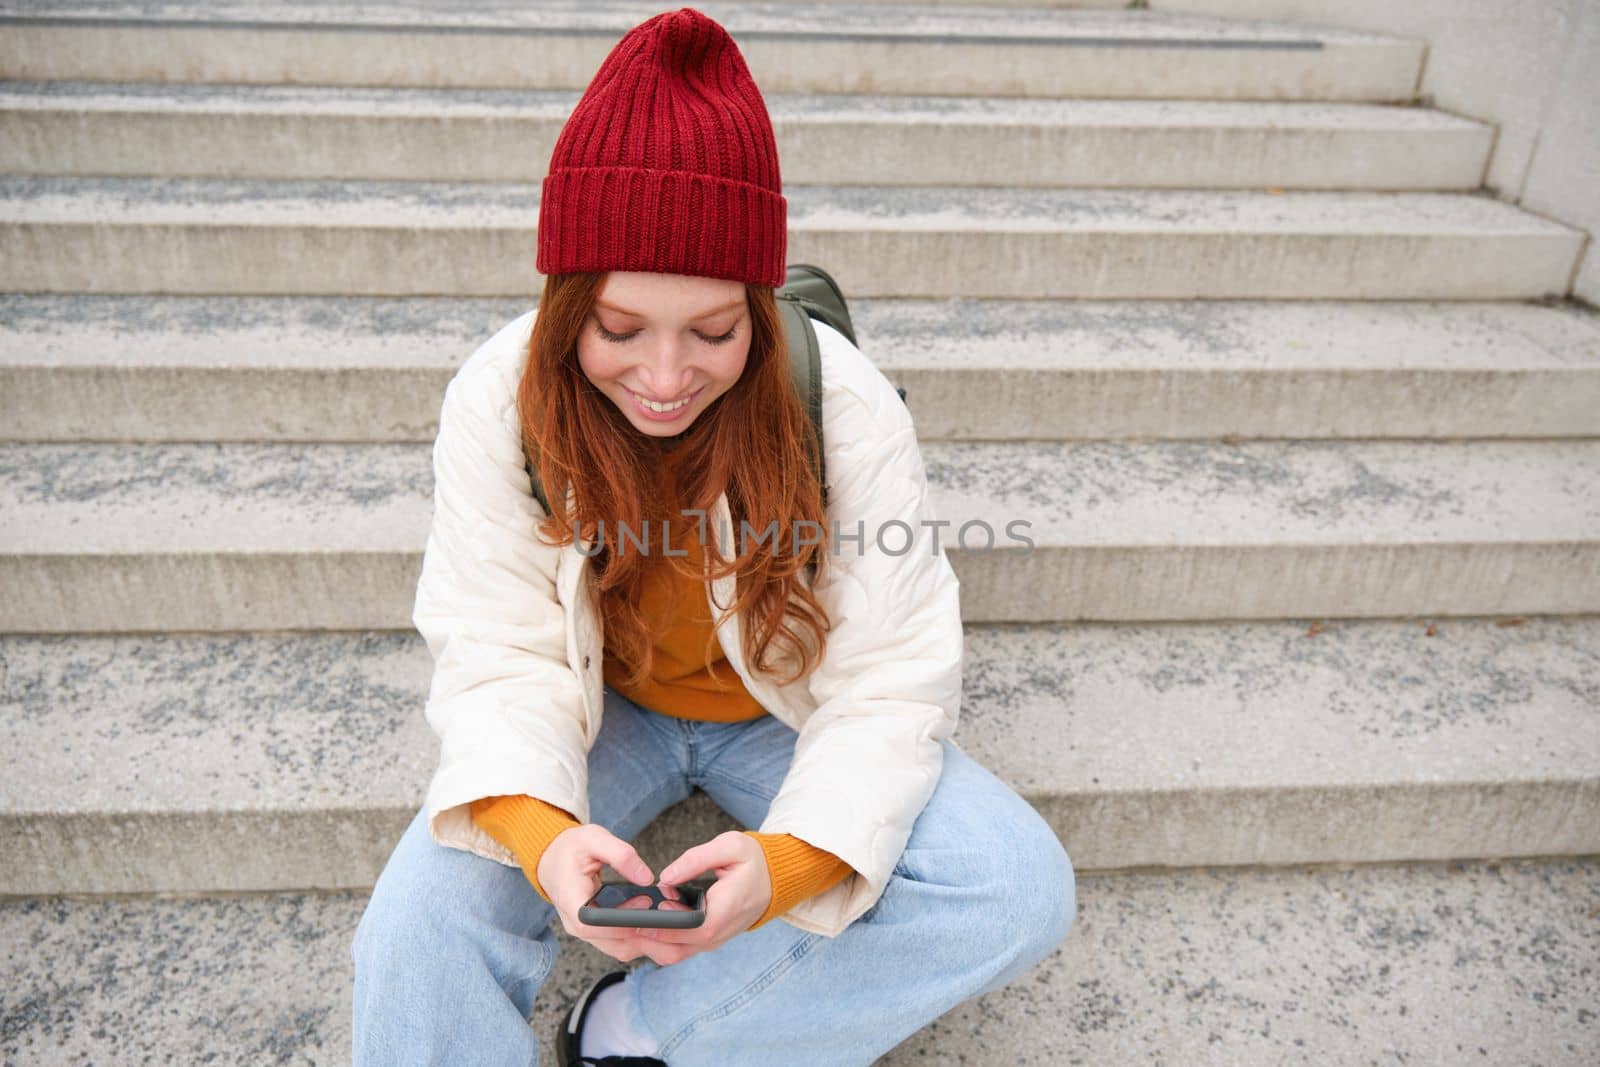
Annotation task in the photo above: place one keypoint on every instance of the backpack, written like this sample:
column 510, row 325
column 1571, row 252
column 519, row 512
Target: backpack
column 808, row 292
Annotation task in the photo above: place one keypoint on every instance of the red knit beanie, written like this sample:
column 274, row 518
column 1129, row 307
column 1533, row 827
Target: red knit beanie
column 668, row 163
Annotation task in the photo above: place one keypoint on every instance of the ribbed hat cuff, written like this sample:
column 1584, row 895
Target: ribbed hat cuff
column 669, row 222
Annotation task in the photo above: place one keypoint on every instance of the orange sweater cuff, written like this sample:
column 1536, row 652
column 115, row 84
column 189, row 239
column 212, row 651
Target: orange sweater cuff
column 798, row 869
column 525, row 825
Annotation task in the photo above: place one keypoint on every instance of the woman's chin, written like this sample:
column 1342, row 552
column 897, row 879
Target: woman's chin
column 662, row 429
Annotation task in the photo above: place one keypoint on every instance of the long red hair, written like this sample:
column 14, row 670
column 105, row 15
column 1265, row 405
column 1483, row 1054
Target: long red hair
column 755, row 442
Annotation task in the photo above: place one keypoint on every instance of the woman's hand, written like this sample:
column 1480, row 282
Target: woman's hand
column 738, row 898
column 569, row 871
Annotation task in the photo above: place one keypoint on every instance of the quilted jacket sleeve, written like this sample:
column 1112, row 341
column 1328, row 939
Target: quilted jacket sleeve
column 504, row 701
column 889, row 687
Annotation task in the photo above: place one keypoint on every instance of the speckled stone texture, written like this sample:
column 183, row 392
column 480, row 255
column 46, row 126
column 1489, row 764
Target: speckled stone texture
column 1225, row 656
column 195, row 235
column 456, row 135
column 261, row 536
column 408, row 41
column 1493, row 963
column 141, row 762
column 851, row 208
column 138, row 368
column 615, row 16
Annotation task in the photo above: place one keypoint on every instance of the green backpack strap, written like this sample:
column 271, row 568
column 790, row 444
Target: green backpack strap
column 816, row 290
column 533, row 478
column 809, row 292
column 805, row 367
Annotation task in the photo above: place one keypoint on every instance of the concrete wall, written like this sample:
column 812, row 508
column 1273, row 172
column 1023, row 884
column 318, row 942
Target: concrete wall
column 1531, row 67
column 1563, row 180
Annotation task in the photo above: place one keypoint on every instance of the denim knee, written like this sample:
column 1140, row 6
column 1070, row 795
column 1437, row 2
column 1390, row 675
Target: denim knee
column 1037, row 887
column 1060, row 884
column 391, row 924
column 422, row 903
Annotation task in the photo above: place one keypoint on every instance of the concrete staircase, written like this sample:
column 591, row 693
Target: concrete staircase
column 1304, row 667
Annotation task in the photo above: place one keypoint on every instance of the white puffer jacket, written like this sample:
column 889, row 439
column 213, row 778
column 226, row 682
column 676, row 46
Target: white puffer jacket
column 514, row 630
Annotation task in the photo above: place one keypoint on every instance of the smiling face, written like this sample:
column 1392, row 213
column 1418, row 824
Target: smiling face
column 676, row 340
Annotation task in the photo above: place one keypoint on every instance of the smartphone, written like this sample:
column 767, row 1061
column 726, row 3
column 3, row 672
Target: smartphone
column 679, row 907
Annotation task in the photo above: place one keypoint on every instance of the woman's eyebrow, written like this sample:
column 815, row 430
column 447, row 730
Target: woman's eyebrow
column 703, row 315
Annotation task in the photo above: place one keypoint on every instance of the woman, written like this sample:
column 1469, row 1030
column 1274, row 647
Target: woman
column 809, row 681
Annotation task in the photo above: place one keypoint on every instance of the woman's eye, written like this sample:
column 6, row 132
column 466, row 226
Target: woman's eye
column 619, row 338
column 615, row 338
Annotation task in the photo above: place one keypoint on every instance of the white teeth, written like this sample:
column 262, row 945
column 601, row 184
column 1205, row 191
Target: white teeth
column 653, row 406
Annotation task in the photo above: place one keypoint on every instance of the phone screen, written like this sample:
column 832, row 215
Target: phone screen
column 647, row 897
column 677, row 907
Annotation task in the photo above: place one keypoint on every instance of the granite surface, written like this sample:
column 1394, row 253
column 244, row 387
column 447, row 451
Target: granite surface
column 610, row 18
column 1451, row 963
column 138, row 762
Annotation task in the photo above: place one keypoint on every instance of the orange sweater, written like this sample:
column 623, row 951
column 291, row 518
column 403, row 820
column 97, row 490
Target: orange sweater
column 680, row 684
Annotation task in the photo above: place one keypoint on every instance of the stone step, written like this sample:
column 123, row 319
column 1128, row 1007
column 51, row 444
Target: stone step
column 293, row 761
column 176, row 368
column 1439, row 963
column 949, row 50
column 194, row 235
column 303, row 132
column 101, row 538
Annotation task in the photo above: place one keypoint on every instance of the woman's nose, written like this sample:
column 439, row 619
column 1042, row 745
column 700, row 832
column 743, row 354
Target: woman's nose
column 667, row 375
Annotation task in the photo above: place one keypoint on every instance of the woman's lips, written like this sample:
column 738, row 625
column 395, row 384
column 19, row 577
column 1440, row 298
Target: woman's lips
column 661, row 416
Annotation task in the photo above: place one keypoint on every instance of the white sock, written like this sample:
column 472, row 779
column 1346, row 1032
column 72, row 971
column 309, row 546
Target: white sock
column 606, row 1031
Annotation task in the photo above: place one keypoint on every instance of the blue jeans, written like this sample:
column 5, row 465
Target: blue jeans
column 453, row 948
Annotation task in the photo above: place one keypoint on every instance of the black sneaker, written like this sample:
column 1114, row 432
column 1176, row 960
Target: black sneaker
column 567, row 1044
